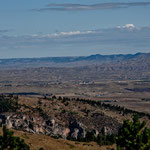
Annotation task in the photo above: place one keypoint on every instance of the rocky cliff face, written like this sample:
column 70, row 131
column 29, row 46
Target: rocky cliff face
column 40, row 126
column 35, row 124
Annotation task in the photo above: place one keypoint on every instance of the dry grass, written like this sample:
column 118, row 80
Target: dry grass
column 36, row 141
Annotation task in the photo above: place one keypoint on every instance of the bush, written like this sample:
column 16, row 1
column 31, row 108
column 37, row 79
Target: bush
column 10, row 142
column 90, row 137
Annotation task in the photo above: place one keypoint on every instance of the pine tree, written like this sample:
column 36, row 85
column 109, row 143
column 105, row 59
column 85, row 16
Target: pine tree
column 133, row 135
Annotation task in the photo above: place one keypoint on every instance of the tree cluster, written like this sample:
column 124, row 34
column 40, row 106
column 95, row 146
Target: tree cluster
column 10, row 142
column 8, row 103
column 133, row 135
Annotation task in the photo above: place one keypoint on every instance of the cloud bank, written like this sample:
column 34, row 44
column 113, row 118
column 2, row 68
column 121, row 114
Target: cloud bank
column 127, row 37
column 82, row 7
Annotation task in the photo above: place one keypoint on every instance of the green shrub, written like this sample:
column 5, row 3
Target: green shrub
column 10, row 142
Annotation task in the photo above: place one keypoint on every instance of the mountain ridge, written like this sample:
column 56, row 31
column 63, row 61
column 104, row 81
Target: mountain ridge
column 72, row 61
column 75, row 57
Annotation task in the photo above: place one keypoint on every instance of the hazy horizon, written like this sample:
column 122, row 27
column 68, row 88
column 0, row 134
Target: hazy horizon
column 75, row 55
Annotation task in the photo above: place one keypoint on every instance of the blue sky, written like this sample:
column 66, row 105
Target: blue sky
column 42, row 28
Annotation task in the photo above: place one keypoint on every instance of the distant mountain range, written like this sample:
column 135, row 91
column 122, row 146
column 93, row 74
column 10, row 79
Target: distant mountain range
column 95, row 67
column 71, row 61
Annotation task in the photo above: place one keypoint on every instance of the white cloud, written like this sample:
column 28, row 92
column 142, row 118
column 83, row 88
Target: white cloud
column 61, row 34
column 127, row 26
column 70, row 33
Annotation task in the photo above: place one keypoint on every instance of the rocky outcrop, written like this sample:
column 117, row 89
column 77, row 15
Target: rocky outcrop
column 35, row 124
column 77, row 130
column 38, row 125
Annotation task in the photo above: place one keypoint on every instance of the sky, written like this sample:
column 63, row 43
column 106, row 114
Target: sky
column 46, row 28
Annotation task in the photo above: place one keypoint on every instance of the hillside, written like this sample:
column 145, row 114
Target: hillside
column 36, row 141
column 37, row 119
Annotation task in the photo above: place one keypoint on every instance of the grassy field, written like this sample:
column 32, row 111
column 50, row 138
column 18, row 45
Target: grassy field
column 36, row 141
